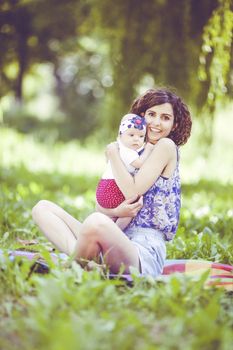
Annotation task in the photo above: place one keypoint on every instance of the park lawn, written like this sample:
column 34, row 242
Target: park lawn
column 70, row 308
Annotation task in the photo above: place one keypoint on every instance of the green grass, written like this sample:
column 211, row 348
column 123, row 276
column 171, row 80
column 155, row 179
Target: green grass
column 74, row 309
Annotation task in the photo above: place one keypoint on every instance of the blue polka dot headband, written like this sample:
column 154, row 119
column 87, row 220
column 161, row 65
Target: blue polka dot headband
column 132, row 121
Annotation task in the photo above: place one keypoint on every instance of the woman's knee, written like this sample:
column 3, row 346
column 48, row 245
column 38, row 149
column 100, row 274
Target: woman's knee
column 95, row 224
column 38, row 208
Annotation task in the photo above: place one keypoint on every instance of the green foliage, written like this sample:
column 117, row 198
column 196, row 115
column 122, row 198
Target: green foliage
column 206, row 223
column 142, row 39
column 29, row 35
column 215, row 56
column 70, row 308
column 216, row 61
column 99, row 63
column 76, row 309
column 81, row 82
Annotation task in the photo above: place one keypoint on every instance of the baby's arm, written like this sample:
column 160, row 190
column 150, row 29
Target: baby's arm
column 141, row 159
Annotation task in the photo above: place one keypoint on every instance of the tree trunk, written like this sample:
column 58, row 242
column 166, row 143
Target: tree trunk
column 22, row 61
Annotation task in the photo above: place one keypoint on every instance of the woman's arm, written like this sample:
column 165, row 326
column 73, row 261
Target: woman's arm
column 163, row 153
column 111, row 212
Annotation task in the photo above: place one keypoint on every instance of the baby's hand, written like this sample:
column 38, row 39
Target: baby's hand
column 149, row 146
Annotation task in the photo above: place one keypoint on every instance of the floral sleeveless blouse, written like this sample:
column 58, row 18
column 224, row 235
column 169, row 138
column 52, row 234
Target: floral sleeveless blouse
column 161, row 209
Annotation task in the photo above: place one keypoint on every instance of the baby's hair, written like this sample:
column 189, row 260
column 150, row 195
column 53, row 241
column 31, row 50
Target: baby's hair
column 182, row 117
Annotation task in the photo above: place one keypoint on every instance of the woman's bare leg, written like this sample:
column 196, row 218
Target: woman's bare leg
column 57, row 225
column 99, row 234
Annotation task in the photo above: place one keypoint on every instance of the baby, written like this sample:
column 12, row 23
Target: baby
column 133, row 152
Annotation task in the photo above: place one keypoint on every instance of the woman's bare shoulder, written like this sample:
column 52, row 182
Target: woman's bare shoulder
column 166, row 144
column 167, row 141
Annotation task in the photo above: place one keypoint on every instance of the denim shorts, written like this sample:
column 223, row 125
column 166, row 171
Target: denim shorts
column 151, row 248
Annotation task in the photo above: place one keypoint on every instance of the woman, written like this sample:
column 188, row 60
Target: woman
column 142, row 244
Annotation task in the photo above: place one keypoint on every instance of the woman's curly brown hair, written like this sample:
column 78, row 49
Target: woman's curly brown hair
column 182, row 117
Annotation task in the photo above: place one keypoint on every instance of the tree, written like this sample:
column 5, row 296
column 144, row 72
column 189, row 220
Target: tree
column 157, row 40
column 31, row 32
column 160, row 39
column 215, row 57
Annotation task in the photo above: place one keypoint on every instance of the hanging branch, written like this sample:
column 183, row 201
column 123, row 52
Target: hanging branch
column 215, row 57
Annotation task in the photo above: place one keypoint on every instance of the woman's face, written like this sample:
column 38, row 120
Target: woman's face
column 160, row 121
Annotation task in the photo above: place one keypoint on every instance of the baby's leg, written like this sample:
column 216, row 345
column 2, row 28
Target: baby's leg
column 57, row 225
column 122, row 223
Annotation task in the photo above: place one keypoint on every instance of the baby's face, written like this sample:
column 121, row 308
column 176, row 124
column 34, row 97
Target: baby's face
column 133, row 138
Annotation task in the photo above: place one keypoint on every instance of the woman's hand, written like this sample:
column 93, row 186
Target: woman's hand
column 130, row 207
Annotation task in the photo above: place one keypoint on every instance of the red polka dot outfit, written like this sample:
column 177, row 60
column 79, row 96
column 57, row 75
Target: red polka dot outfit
column 108, row 194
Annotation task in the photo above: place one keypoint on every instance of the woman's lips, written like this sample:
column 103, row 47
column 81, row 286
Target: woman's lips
column 154, row 130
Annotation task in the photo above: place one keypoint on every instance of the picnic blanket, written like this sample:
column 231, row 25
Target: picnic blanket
column 220, row 275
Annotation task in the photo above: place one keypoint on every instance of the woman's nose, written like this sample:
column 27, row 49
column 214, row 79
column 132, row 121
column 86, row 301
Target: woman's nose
column 156, row 120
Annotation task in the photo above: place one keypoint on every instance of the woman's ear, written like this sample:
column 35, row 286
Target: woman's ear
column 174, row 126
column 142, row 114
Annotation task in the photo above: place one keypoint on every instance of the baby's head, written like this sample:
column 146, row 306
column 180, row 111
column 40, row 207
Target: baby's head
column 132, row 131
